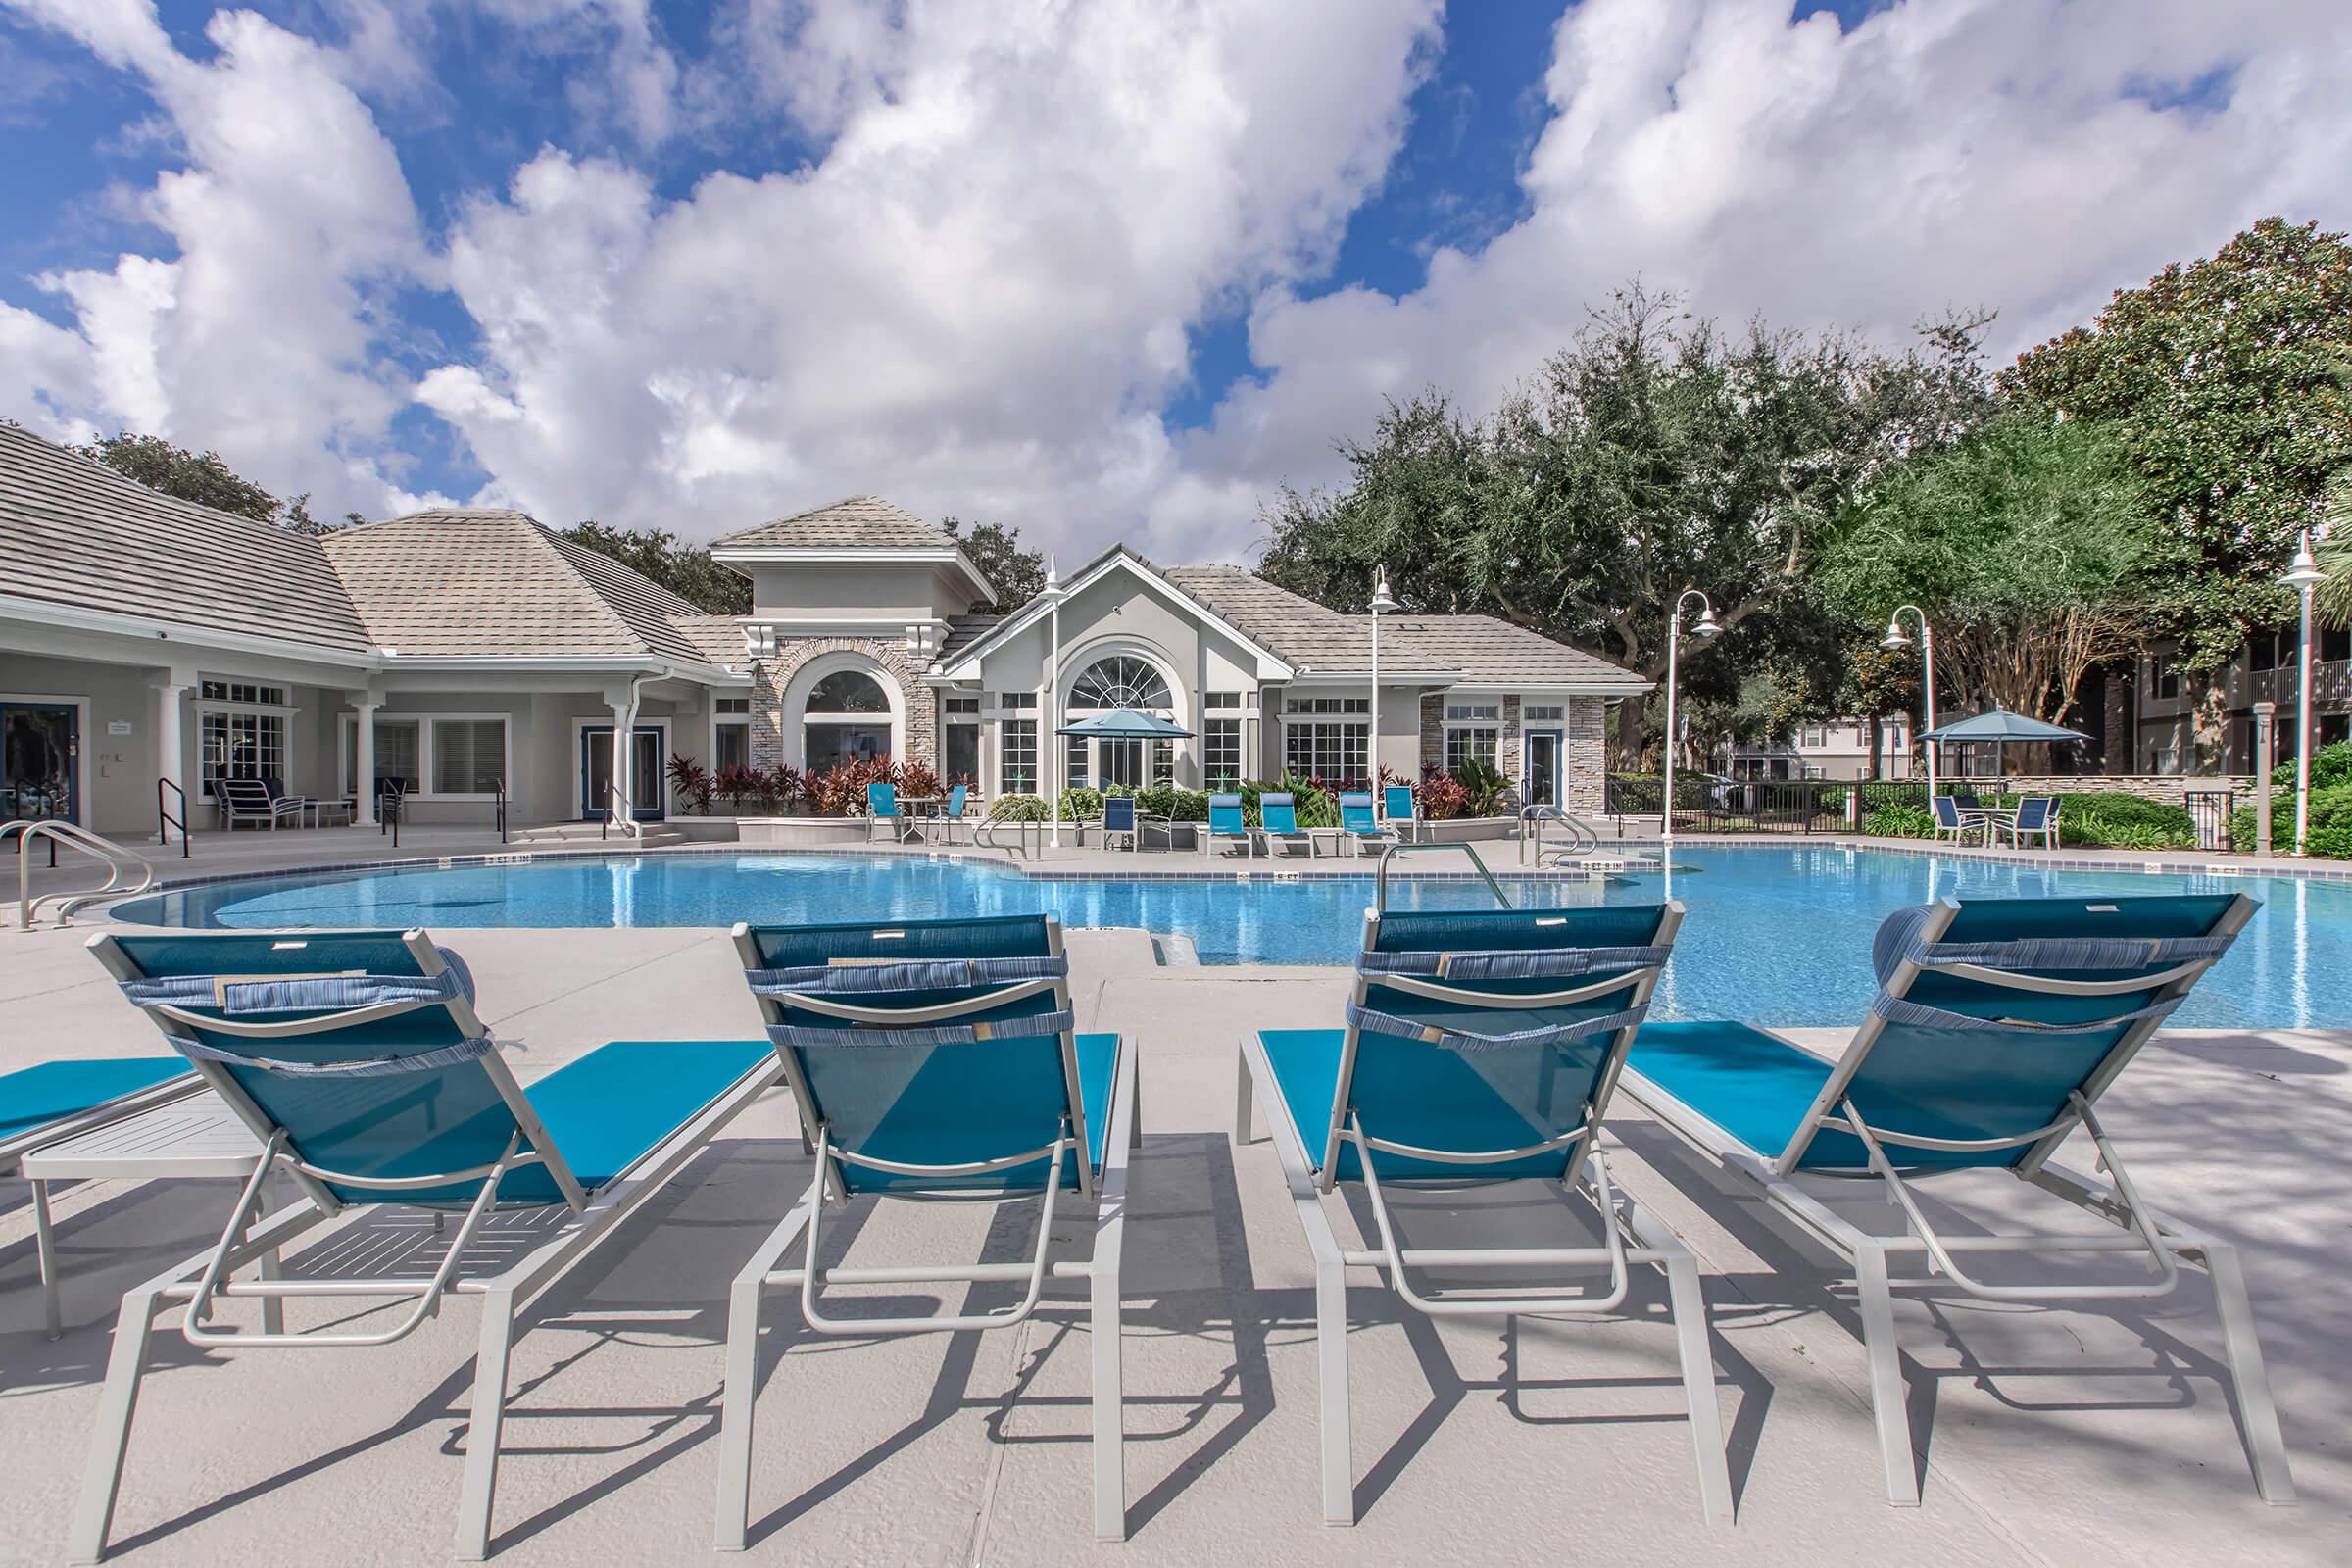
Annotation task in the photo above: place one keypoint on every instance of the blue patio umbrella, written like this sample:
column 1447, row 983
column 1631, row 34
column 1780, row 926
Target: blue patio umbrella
column 1126, row 724
column 2001, row 727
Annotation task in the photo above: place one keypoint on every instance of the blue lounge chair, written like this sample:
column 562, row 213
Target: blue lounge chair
column 61, row 1100
column 1479, row 1047
column 1995, row 1027
column 1357, row 824
column 882, row 807
column 1397, row 803
column 359, row 1060
column 1227, row 825
column 2036, row 818
column 1277, row 819
column 937, row 1060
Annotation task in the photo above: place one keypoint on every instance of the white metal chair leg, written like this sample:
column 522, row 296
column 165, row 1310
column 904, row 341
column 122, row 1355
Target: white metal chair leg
column 1245, row 1104
column 2266, row 1446
column 44, row 1243
column 1110, row 1459
column 273, row 1308
column 1330, row 1355
column 1688, row 1303
column 1887, row 1402
column 483, row 1423
column 737, row 1398
column 110, row 1436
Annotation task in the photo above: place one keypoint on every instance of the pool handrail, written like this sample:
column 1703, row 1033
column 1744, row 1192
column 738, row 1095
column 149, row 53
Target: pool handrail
column 1380, row 872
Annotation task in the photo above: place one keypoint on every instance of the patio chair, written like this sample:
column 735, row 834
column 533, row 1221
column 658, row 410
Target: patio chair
column 277, row 793
column 1278, row 818
column 937, row 1060
column 1396, row 805
column 59, row 1100
column 1118, row 818
column 357, row 1056
column 1227, row 824
column 952, row 816
column 1948, row 820
column 248, row 800
column 1356, row 823
column 1995, row 1027
column 882, row 807
column 1479, row 1048
column 2036, row 818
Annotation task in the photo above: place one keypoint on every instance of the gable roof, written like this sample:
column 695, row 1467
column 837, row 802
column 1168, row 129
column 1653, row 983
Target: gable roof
column 964, row 649
column 87, row 537
column 487, row 583
column 719, row 637
column 854, row 523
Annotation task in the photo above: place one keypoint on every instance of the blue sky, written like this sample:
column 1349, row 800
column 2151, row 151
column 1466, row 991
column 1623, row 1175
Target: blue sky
column 1101, row 270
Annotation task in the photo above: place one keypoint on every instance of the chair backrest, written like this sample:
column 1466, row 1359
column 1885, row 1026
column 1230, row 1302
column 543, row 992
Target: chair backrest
column 275, row 786
column 930, row 1043
column 1276, row 812
column 1400, row 799
column 243, row 794
column 955, row 798
column 2035, row 812
column 1989, row 1016
column 1355, row 812
column 1966, row 799
column 881, row 800
column 1119, row 813
column 1947, row 811
column 1225, row 814
column 1479, row 1033
column 362, row 1047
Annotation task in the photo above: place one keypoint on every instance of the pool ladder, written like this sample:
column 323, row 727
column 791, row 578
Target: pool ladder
column 1579, row 837
column 1380, row 873
column 120, row 861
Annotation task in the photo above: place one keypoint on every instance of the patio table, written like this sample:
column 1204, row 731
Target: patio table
column 1984, row 819
column 918, row 810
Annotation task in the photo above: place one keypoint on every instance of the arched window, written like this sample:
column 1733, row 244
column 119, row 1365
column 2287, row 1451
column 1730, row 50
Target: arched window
column 847, row 691
column 1119, row 681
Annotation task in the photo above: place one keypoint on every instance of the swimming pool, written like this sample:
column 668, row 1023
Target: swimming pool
column 1775, row 935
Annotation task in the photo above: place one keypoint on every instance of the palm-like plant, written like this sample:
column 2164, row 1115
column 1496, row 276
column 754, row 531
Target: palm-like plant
column 2334, row 599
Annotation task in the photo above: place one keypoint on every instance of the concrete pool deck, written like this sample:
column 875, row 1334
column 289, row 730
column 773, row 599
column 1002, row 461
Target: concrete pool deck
column 2050, row 1435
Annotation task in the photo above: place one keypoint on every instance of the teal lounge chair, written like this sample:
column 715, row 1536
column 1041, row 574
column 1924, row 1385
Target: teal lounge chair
column 882, row 807
column 359, row 1060
column 937, row 1060
column 61, row 1100
column 1227, row 825
column 1396, row 802
column 1997, row 1027
column 1479, row 1047
column 1277, row 819
column 1356, row 823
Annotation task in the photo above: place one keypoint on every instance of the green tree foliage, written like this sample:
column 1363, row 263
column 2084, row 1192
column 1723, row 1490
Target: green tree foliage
column 1019, row 574
column 2022, row 543
column 1655, row 454
column 199, row 477
column 2225, row 381
column 686, row 570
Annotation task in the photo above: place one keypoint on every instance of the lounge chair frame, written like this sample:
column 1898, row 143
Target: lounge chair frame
column 767, row 1269
column 250, row 1237
column 1631, row 1236
column 2160, row 1239
column 1211, row 835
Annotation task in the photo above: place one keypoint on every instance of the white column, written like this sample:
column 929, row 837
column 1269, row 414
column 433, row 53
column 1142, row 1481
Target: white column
column 171, row 752
column 363, row 764
column 624, row 728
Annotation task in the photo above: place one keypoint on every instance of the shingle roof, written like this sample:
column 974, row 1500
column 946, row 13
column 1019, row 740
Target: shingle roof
column 461, row 580
column 860, row 523
column 719, row 637
column 965, row 630
column 81, row 534
column 1322, row 640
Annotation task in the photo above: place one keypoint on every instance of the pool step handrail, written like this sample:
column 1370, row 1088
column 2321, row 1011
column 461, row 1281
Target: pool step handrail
column 620, row 813
column 119, row 859
column 1580, row 836
column 1380, row 872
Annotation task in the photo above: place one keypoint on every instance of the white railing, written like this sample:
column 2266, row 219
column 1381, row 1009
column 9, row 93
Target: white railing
column 620, row 813
column 120, row 861
column 1578, row 837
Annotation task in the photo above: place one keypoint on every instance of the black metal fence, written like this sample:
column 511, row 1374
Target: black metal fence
column 1703, row 804
column 2211, row 811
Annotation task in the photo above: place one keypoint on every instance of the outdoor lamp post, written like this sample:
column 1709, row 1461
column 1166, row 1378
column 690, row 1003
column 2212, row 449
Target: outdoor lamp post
column 1051, row 747
column 2303, row 576
column 1704, row 626
column 1381, row 601
column 1894, row 639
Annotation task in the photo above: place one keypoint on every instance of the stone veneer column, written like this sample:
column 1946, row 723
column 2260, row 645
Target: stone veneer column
column 771, row 676
column 1432, row 731
column 1509, row 744
column 1585, row 788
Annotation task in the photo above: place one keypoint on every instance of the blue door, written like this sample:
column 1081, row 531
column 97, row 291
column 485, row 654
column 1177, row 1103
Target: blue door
column 646, row 785
column 1541, row 786
column 40, row 761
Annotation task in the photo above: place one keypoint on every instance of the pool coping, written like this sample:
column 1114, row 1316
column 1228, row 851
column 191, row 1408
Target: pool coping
column 2172, row 864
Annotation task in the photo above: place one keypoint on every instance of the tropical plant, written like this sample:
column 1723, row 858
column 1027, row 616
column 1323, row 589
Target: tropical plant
column 692, row 781
column 1485, row 790
column 1440, row 796
column 918, row 781
column 735, row 784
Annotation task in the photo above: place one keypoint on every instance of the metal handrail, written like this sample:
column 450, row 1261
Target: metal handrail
column 165, row 821
column 1583, row 838
column 118, row 859
column 1380, row 872
column 620, row 813
column 984, row 833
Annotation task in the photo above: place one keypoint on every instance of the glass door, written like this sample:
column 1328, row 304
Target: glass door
column 646, row 793
column 1543, row 784
column 40, row 761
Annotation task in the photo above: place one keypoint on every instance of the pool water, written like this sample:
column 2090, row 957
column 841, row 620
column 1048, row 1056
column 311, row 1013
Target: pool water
column 1774, row 935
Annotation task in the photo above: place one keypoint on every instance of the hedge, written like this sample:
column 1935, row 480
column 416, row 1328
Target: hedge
column 2097, row 819
column 2331, row 820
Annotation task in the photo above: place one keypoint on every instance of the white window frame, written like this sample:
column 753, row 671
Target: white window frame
column 1004, row 756
column 346, row 732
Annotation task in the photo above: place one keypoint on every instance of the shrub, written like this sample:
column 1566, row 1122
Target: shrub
column 1313, row 802
column 1485, row 790
column 2110, row 820
column 736, row 784
column 1081, row 803
column 1898, row 822
column 1017, row 808
column 914, row 778
column 2330, row 766
column 692, row 781
column 2330, row 832
column 1439, row 796
column 1175, row 803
